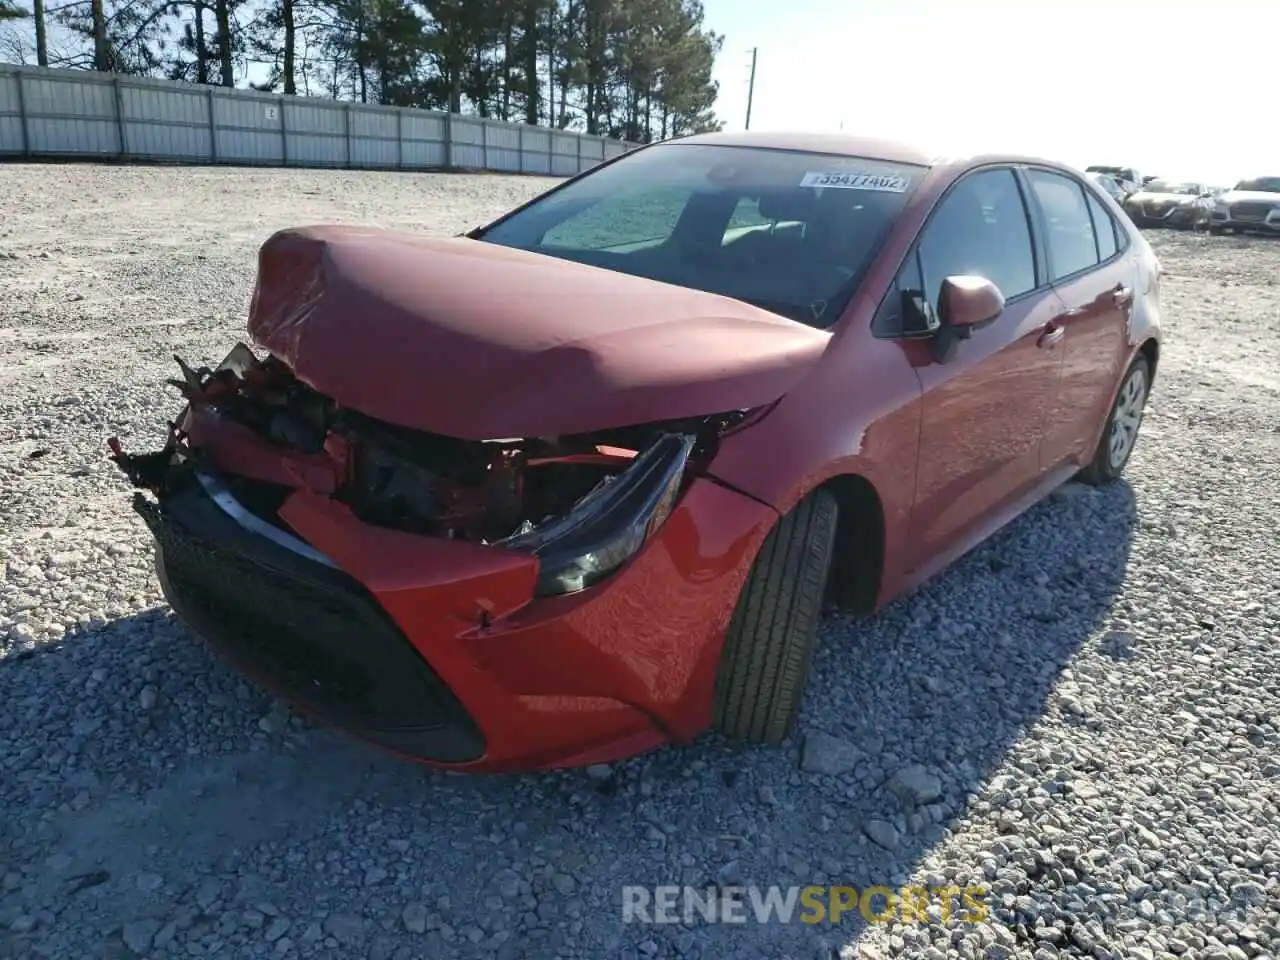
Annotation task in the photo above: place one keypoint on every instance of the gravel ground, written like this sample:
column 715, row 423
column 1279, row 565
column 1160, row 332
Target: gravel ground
column 1083, row 715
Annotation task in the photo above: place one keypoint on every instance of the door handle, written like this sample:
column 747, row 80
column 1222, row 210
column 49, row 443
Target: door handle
column 1052, row 336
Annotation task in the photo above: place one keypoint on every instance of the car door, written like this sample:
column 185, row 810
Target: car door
column 1092, row 269
column 983, row 410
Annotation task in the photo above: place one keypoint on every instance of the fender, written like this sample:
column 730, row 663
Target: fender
column 803, row 442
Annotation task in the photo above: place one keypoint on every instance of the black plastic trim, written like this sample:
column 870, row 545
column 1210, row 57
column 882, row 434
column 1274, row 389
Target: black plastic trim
column 310, row 632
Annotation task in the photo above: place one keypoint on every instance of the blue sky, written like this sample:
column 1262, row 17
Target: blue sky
column 1084, row 81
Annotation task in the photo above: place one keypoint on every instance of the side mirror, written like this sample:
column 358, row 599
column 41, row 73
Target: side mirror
column 965, row 304
column 969, row 302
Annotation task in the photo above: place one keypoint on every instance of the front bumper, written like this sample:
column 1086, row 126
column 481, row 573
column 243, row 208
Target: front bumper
column 1265, row 224
column 435, row 649
column 1176, row 216
column 303, row 627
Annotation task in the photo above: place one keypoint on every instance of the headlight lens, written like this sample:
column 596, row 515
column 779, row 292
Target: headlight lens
column 611, row 523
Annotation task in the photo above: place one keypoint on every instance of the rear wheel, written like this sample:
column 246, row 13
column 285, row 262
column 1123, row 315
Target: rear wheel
column 1121, row 432
column 765, row 662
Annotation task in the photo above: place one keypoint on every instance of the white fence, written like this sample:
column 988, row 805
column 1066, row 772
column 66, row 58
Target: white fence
column 86, row 115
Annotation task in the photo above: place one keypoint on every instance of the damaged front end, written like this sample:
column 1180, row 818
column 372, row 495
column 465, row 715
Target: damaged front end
column 583, row 505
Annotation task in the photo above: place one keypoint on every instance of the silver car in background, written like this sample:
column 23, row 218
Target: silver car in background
column 1250, row 206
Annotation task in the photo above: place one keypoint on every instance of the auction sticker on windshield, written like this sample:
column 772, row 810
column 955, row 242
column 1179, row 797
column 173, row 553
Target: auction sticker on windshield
column 855, row 180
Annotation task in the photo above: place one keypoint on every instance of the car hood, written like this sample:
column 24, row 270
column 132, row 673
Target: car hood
column 1144, row 196
column 479, row 341
column 1249, row 196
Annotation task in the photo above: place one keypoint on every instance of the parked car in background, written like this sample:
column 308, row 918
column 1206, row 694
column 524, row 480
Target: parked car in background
column 1182, row 204
column 1109, row 184
column 1128, row 178
column 577, row 483
column 1249, row 206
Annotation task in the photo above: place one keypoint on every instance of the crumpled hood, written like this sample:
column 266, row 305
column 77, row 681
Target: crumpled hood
column 478, row 341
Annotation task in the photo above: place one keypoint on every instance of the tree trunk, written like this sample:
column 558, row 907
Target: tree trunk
column 594, row 54
column 562, row 120
column 101, row 53
column 42, row 45
column 202, row 59
column 551, row 65
column 223, row 15
column 290, row 41
column 508, row 52
column 532, row 90
column 361, row 79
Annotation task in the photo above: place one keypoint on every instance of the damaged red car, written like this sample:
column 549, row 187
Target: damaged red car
column 578, row 483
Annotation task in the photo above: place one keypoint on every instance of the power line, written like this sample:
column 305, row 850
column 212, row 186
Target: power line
column 751, row 86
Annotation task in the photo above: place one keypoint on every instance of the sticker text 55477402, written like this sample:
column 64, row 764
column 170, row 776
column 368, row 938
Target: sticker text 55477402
column 855, row 180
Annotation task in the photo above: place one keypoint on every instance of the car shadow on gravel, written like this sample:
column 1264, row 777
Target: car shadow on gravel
column 154, row 799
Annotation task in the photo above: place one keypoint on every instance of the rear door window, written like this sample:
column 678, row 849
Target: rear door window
column 1068, row 226
column 1104, row 228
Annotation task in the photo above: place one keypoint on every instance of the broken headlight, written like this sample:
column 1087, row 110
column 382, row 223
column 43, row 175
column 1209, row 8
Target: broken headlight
column 610, row 524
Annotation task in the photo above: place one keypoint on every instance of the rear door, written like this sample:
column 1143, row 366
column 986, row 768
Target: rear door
column 1093, row 270
column 984, row 410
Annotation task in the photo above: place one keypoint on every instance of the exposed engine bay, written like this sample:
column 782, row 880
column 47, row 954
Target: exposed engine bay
column 266, row 434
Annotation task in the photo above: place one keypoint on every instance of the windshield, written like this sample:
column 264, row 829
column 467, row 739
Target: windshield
column 787, row 231
column 1169, row 186
column 1260, row 185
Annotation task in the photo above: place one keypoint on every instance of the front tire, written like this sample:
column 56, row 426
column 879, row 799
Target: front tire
column 764, row 666
column 1120, row 434
column 1215, row 230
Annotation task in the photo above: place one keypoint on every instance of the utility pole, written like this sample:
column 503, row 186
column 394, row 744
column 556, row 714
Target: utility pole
column 751, row 86
column 42, row 44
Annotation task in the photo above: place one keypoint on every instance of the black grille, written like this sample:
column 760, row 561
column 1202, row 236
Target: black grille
column 1250, row 211
column 305, row 628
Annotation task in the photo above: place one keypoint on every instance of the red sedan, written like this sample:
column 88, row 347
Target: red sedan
column 578, row 483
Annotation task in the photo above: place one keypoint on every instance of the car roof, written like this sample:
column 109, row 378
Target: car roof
column 867, row 148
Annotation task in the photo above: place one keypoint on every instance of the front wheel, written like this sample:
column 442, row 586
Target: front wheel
column 1215, row 230
column 1121, row 432
column 765, row 662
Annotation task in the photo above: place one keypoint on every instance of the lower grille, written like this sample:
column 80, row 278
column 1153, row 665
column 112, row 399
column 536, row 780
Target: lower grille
column 307, row 629
column 1250, row 211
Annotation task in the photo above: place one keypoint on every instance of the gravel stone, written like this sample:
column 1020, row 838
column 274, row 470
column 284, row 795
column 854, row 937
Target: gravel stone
column 884, row 834
column 414, row 916
column 916, row 785
column 1088, row 704
column 138, row 935
column 829, row 755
